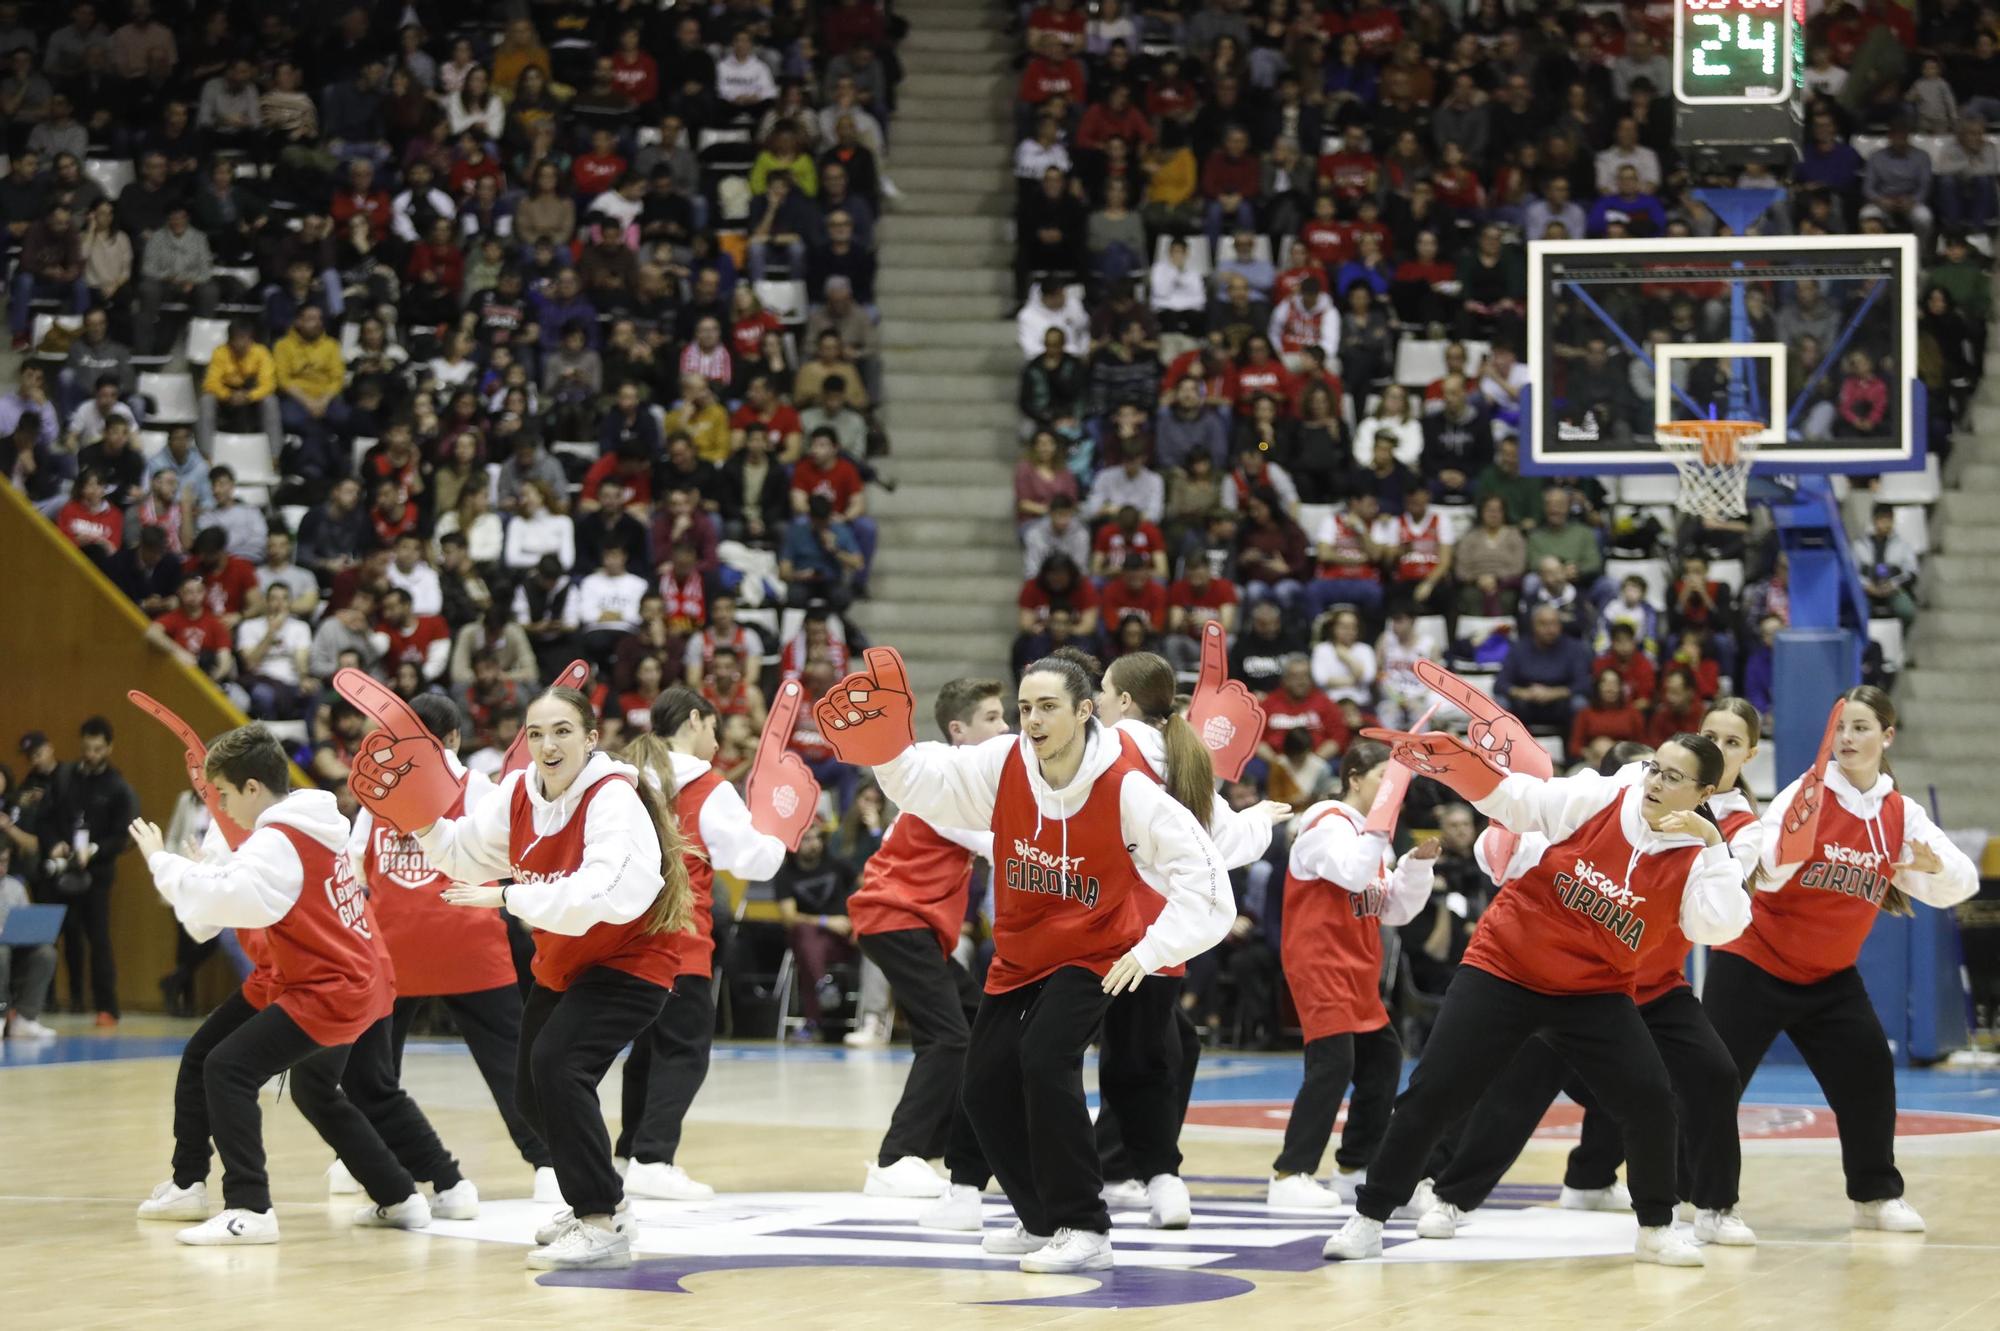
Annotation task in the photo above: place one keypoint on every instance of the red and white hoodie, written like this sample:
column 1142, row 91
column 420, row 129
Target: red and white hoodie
column 1604, row 890
column 716, row 822
column 438, row 948
column 292, row 879
column 1342, row 886
column 1810, row 919
column 1062, row 865
column 585, row 865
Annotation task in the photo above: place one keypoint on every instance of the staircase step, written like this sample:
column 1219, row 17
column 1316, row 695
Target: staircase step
column 979, row 473
column 974, row 279
column 893, row 620
column 965, row 177
column 1963, row 538
column 960, row 255
column 940, row 501
column 899, row 228
column 987, row 134
column 1980, row 477
column 928, row 39
column 948, row 561
column 989, row 160
column 920, row 85
column 993, row 360
column 1973, row 597
column 956, row 203
column 947, row 331
column 954, row 388
column 984, row 590
column 1985, row 417
column 1967, row 510
column 952, row 442
column 1959, row 570
column 1945, row 732
column 973, row 64
column 1967, row 790
column 975, row 305
column 994, row 531
column 1926, row 683
column 946, row 415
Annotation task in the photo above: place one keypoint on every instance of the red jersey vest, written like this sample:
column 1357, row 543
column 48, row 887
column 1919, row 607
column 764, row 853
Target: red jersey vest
column 560, row 958
column 916, row 879
column 1578, row 921
column 1815, row 925
column 694, row 954
column 1349, row 539
column 437, row 948
column 1663, row 965
column 1423, row 547
column 260, row 986
column 1332, row 947
column 327, row 967
column 1066, row 892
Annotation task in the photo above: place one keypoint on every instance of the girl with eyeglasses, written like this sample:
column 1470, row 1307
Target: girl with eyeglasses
column 1625, row 866
column 1793, row 973
column 1702, row 1071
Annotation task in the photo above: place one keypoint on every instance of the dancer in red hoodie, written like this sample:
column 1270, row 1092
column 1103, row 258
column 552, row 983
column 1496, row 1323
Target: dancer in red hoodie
column 1792, row 972
column 321, row 980
column 1557, row 954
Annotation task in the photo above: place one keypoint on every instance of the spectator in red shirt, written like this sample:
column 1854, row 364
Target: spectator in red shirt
column 1125, row 535
column 1196, row 598
column 1296, row 705
column 1060, row 20
column 1377, row 27
column 1114, row 118
column 1231, row 180
column 90, row 521
column 1353, row 171
column 1060, row 590
column 230, row 582
column 765, row 413
column 194, row 634
column 824, row 471
column 420, row 640
column 1610, row 717
column 362, row 199
column 1050, row 73
column 1136, row 592
column 1678, row 707
column 635, row 73
column 391, row 514
column 1210, row 363
column 599, row 169
column 1636, row 672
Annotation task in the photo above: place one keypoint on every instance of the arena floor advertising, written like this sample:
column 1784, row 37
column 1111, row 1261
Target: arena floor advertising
column 784, row 1133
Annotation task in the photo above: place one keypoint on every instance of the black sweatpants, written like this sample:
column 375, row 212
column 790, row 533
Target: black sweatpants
column 939, row 999
column 490, row 1022
column 1024, row 1094
column 568, row 1041
column 664, row 1071
column 1841, row 1039
column 86, row 933
column 1705, row 1095
column 1482, row 1025
column 1142, row 1066
column 1373, row 1062
column 235, row 1052
column 373, row 1082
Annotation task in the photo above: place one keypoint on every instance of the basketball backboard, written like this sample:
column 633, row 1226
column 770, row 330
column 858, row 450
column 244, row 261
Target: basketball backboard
column 1815, row 336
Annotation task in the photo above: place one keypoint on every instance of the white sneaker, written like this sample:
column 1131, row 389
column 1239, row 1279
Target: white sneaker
column 170, row 1203
column 870, row 1033
column 413, row 1212
column 27, row 1028
column 1613, row 1198
column 458, row 1202
column 231, row 1228
column 1663, row 1245
column 1421, row 1201
column 1169, row 1206
column 1125, row 1194
column 1893, row 1214
column 889, row 190
column 1724, row 1227
column 959, row 1209
column 1440, row 1222
column 1299, row 1192
column 1071, row 1250
column 1359, row 1239
column 340, row 1183
column 666, row 1183
column 583, row 1247
column 1015, row 1242
column 621, row 1219
column 546, row 1187
column 1345, row 1183
column 908, row 1177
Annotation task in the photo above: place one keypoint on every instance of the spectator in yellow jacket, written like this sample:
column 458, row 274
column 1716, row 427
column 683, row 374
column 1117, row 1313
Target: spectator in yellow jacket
column 239, row 392
column 311, row 374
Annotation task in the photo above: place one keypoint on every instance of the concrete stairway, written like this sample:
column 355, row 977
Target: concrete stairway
column 1949, row 699
column 949, row 568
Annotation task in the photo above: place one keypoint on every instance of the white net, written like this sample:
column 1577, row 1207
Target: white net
column 1713, row 459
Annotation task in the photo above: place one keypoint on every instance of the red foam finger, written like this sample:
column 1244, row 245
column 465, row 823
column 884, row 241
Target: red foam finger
column 779, row 723
column 1457, row 692
column 574, row 676
column 1214, row 657
column 885, row 664
column 376, row 700
column 158, row 710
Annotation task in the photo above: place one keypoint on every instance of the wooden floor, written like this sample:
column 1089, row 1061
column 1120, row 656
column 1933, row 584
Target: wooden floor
column 82, row 1141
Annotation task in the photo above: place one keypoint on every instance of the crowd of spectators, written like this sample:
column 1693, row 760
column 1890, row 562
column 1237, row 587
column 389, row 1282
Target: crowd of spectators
column 514, row 333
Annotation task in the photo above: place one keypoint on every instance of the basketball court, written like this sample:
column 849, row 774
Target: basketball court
column 783, row 1134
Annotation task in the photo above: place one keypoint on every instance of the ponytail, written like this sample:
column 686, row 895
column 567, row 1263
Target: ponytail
column 1190, row 774
column 654, row 758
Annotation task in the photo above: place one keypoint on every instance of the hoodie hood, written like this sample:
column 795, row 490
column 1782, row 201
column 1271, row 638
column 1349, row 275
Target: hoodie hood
column 552, row 814
column 1152, row 744
column 1101, row 749
column 1725, row 802
column 688, row 768
column 1861, row 803
column 314, row 812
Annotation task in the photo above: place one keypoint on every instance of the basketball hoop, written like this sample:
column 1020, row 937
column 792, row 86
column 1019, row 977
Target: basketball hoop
column 1713, row 459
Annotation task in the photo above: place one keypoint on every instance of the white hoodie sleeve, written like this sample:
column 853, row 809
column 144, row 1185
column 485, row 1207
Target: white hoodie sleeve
column 1555, row 807
column 1169, row 846
column 734, row 846
column 947, row 785
column 979, row 843
column 1772, row 824
column 1241, row 836
column 619, row 876
column 1715, row 907
column 1747, row 847
column 1957, row 881
column 1409, row 889
column 357, row 842
column 472, row 848
column 1334, row 851
column 253, row 888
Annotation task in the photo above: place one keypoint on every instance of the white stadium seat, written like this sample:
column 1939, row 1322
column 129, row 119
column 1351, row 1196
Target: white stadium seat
column 172, row 396
column 204, row 337
column 249, row 456
column 1653, row 572
column 1419, row 361
column 1911, row 487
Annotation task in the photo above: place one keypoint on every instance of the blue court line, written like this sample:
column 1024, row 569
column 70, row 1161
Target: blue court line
column 1224, row 1078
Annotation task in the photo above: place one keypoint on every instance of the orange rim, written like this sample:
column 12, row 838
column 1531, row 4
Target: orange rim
column 1718, row 439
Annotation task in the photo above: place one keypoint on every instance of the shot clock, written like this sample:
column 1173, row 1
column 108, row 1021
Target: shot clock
column 1736, row 52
